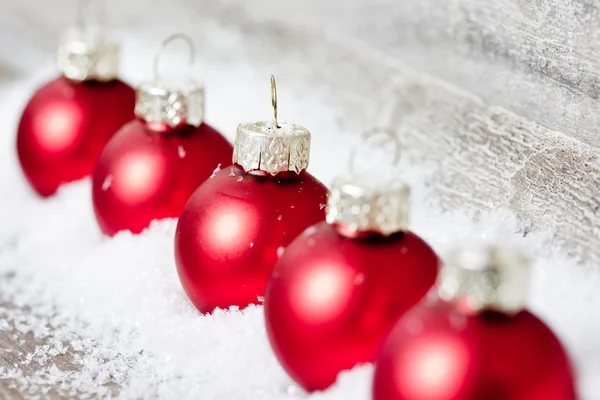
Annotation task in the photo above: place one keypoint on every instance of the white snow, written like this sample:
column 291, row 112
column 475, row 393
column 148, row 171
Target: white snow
column 116, row 306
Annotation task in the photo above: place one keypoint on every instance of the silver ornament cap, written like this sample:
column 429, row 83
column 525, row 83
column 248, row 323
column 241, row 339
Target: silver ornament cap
column 169, row 103
column 486, row 277
column 362, row 206
column 172, row 103
column 84, row 56
column 271, row 146
column 359, row 208
column 273, row 149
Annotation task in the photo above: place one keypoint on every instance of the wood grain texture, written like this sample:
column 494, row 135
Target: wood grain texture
column 486, row 156
column 500, row 97
column 17, row 346
column 538, row 58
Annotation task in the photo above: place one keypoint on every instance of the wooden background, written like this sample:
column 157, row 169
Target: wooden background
column 501, row 97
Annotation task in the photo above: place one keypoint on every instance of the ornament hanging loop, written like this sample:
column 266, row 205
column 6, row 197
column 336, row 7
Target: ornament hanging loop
column 390, row 133
column 358, row 206
column 274, row 100
column 85, row 51
column 171, row 104
column 163, row 45
column 486, row 277
column 84, row 15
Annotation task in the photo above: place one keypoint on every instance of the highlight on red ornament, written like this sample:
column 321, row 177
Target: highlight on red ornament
column 237, row 223
column 68, row 121
column 151, row 167
column 339, row 287
column 476, row 340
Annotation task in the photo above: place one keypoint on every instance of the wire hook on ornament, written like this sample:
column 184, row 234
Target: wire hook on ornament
column 274, row 100
column 163, row 45
column 84, row 15
column 391, row 134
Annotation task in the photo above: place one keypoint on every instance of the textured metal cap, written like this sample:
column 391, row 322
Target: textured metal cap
column 171, row 104
column 486, row 278
column 358, row 208
column 84, row 56
column 266, row 147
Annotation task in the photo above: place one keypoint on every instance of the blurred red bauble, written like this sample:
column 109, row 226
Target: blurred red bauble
column 143, row 174
column 152, row 166
column 65, row 126
column 68, row 121
column 438, row 352
column 339, row 287
column 234, row 228
column 332, row 299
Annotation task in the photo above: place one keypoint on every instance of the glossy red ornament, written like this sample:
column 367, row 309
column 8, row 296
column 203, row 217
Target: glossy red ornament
column 66, row 125
column 234, row 228
column 145, row 173
column 437, row 353
column 333, row 299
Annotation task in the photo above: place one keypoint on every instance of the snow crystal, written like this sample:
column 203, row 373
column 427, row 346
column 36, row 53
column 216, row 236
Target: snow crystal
column 280, row 251
column 107, row 182
column 359, row 279
column 216, row 170
column 110, row 318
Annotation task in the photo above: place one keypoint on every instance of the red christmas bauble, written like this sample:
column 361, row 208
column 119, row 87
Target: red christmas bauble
column 65, row 126
column 437, row 353
column 333, row 299
column 234, row 228
column 145, row 174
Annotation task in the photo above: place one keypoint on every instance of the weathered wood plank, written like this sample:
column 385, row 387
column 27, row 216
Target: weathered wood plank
column 15, row 347
column 484, row 155
column 538, row 58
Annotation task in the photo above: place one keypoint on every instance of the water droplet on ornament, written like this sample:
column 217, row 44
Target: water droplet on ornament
column 322, row 206
column 292, row 206
column 310, row 230
column 107, row 182
column 359, row 279
column 251, row 244
column 216, row 170
column 181, row 151
column 240, row 178
column 280, row 251
column 404, row 250
column 68, row 93
column 414, row 325
column 431, row 297
column 280, row 217
column 458, row 320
